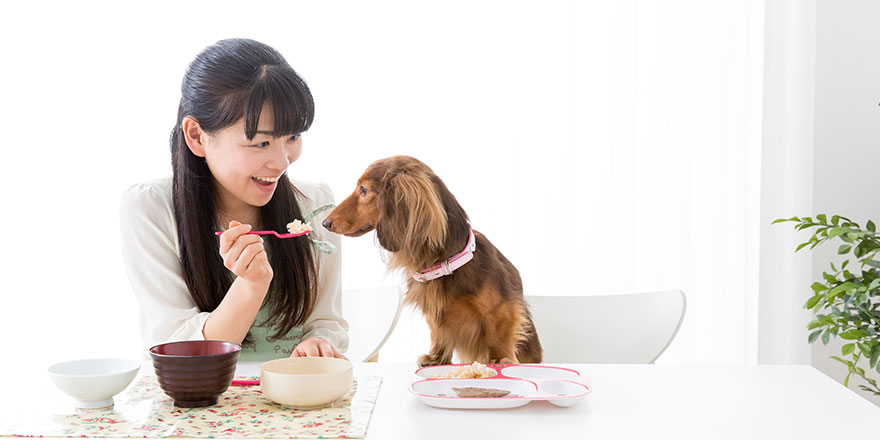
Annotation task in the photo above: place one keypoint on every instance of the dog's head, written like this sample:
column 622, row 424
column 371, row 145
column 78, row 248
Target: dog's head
column 399, row 197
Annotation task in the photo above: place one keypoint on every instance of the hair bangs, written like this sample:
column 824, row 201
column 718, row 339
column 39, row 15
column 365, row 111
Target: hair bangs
column 289, row 97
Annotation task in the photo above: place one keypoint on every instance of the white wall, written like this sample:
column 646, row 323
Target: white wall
column 786, row 178
column 603, row 146
column 847, row 130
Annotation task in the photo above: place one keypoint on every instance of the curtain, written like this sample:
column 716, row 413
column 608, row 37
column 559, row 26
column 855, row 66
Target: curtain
column 604, row 147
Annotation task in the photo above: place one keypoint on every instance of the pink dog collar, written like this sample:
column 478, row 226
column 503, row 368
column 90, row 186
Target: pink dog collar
column 446, row 267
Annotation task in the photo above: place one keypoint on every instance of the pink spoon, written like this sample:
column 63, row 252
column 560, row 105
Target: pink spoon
column 290, row 235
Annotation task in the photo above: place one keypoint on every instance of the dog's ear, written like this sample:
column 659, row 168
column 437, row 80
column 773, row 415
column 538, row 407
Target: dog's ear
column 411, row 213
column 391, row 227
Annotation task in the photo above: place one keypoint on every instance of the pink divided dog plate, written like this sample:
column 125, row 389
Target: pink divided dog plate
column 510, row 387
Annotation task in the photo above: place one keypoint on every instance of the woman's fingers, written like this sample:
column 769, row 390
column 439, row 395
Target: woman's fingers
column 314, row 347
column 229, row 236
column 337, row 353
column 327, row 349
column 324, row 349
column 306, row 349
column 244, row 253
column 247, row 257
column 233, row 255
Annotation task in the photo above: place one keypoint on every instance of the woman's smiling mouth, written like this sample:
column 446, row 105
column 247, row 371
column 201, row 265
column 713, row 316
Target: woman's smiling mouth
column 265, row 183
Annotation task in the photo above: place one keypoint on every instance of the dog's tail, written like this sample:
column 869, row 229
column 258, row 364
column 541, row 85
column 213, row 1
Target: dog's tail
column 528, row 349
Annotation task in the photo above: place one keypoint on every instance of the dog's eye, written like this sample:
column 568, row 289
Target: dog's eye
column 363, row 190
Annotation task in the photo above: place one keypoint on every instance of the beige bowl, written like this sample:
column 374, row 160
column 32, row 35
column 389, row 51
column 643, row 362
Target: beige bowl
column 306, row 382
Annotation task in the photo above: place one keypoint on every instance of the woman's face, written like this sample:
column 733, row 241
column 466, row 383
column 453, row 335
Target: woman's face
column 247, row 171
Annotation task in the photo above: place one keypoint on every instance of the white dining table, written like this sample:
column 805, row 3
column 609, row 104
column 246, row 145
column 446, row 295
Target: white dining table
column 626, row 402
column 636, row 402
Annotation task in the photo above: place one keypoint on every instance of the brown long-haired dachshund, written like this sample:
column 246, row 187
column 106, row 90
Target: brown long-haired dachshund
column 469, row 293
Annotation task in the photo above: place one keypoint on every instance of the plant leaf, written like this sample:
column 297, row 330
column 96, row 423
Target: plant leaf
column 844, row 249
column 814, row 336
column 813, row 301
column 847, row 286
column 838, row 231
column 847, row 349
column 860, row 250
column 839, row 359
column 849, row 335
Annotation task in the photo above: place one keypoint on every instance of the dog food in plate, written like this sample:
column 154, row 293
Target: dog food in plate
column 473, row 371
column 479, row 392
column 510, row 386
column 297, row 226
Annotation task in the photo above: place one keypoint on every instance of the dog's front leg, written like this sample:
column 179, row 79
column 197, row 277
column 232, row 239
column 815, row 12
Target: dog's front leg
column 506, row 356
column 440, row 353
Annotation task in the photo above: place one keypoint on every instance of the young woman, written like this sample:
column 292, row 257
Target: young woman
column 239, row 126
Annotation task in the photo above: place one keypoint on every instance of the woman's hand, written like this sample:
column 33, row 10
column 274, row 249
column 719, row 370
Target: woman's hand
column 316, row 347
column 244, row 254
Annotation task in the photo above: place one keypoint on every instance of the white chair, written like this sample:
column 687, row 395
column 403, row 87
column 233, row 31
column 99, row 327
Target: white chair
column 372, row 315
column 607, row 329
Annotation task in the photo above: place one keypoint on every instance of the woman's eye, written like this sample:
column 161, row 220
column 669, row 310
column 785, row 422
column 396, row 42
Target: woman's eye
column 262, row 144
column 294, row 138
column 363, row 190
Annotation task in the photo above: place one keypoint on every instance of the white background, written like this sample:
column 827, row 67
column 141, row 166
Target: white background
column 847, row 130
column 604, row 147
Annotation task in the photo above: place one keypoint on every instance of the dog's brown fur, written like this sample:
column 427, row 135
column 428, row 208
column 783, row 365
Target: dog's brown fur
column 477, row 311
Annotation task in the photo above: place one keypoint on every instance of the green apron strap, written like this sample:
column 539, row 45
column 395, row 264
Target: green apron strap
column 321, row 245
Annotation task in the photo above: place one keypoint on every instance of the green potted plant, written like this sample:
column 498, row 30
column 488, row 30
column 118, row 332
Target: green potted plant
column 846, row 301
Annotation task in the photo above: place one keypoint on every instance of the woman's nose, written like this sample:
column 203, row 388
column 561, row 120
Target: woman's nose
column 291, row 152
column 280, row 159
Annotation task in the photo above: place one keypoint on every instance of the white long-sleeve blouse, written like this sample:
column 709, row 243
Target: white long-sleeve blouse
column 151, row 255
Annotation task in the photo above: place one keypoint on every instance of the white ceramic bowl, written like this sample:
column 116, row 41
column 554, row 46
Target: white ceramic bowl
column 94, row 382
column 306, row 382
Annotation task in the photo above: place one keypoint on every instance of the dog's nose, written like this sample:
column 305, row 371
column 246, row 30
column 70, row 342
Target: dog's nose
column 327, row 224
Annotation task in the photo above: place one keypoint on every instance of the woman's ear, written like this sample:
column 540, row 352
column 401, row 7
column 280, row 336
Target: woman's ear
column 194, row 135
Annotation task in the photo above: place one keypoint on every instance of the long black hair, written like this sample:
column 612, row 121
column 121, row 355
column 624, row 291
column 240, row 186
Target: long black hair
column 229, row 80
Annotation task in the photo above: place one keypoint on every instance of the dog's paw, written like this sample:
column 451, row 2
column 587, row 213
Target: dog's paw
column 428, row 360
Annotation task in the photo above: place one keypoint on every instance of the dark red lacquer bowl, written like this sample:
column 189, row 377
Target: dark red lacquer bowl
column 195, row 373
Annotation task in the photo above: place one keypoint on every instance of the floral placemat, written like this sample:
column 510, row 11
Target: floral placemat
column 144, row 411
